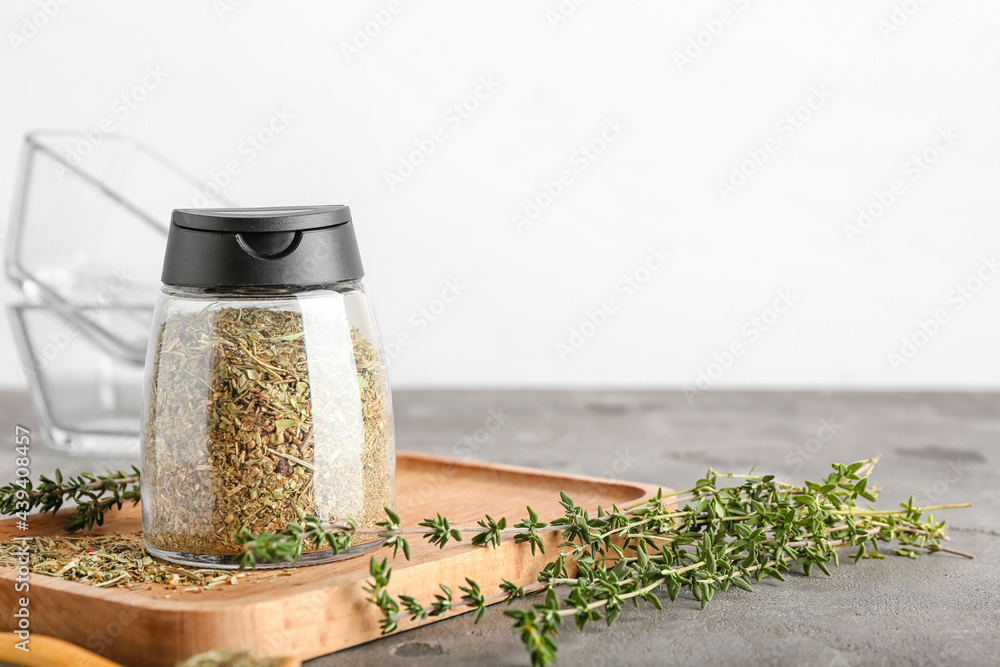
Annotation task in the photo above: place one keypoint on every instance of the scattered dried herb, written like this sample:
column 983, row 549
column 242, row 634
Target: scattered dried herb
column 230, row 659
column 253, row 424
column 117, row 561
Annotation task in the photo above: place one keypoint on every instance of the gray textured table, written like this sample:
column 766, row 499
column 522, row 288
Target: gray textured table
column 941, row 447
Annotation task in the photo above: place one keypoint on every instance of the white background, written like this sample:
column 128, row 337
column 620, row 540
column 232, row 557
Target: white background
column 687, row 125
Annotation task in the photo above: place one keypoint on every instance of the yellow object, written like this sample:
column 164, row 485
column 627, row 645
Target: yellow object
column 48, row 652
column 52, row 652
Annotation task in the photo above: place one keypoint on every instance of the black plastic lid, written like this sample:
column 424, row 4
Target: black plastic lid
column 261, row 247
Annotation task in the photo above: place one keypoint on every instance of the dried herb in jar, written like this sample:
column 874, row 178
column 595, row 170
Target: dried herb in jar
column 253, row 423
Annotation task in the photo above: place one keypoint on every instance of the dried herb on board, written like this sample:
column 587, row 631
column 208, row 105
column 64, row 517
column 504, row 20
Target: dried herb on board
column 230, row 659
column 252, row 426
column 109, row 561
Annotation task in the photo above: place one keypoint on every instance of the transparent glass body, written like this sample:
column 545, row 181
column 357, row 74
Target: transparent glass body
column 84, row 244
column 87, row 229
column 261, row 406
column 86, row 400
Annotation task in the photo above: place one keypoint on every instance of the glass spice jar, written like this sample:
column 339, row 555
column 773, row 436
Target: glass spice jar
column 266, row 393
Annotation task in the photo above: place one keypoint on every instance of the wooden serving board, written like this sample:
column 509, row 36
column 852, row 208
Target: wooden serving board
column 318, row 609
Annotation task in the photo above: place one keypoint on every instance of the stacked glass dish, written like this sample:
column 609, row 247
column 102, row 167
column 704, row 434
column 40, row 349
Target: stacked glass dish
column 84, row 245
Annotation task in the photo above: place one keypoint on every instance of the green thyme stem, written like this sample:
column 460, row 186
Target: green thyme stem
column 933, row 508
column 70, row 488
column 951, row 551
column 676, row 495
column 539, row 586
column 94, row 495
column 694, row 566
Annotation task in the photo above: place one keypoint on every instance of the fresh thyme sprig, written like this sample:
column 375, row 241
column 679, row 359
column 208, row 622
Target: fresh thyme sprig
column 289, row 545
column 702, row 540
column 721, row 537
column 94, row 495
